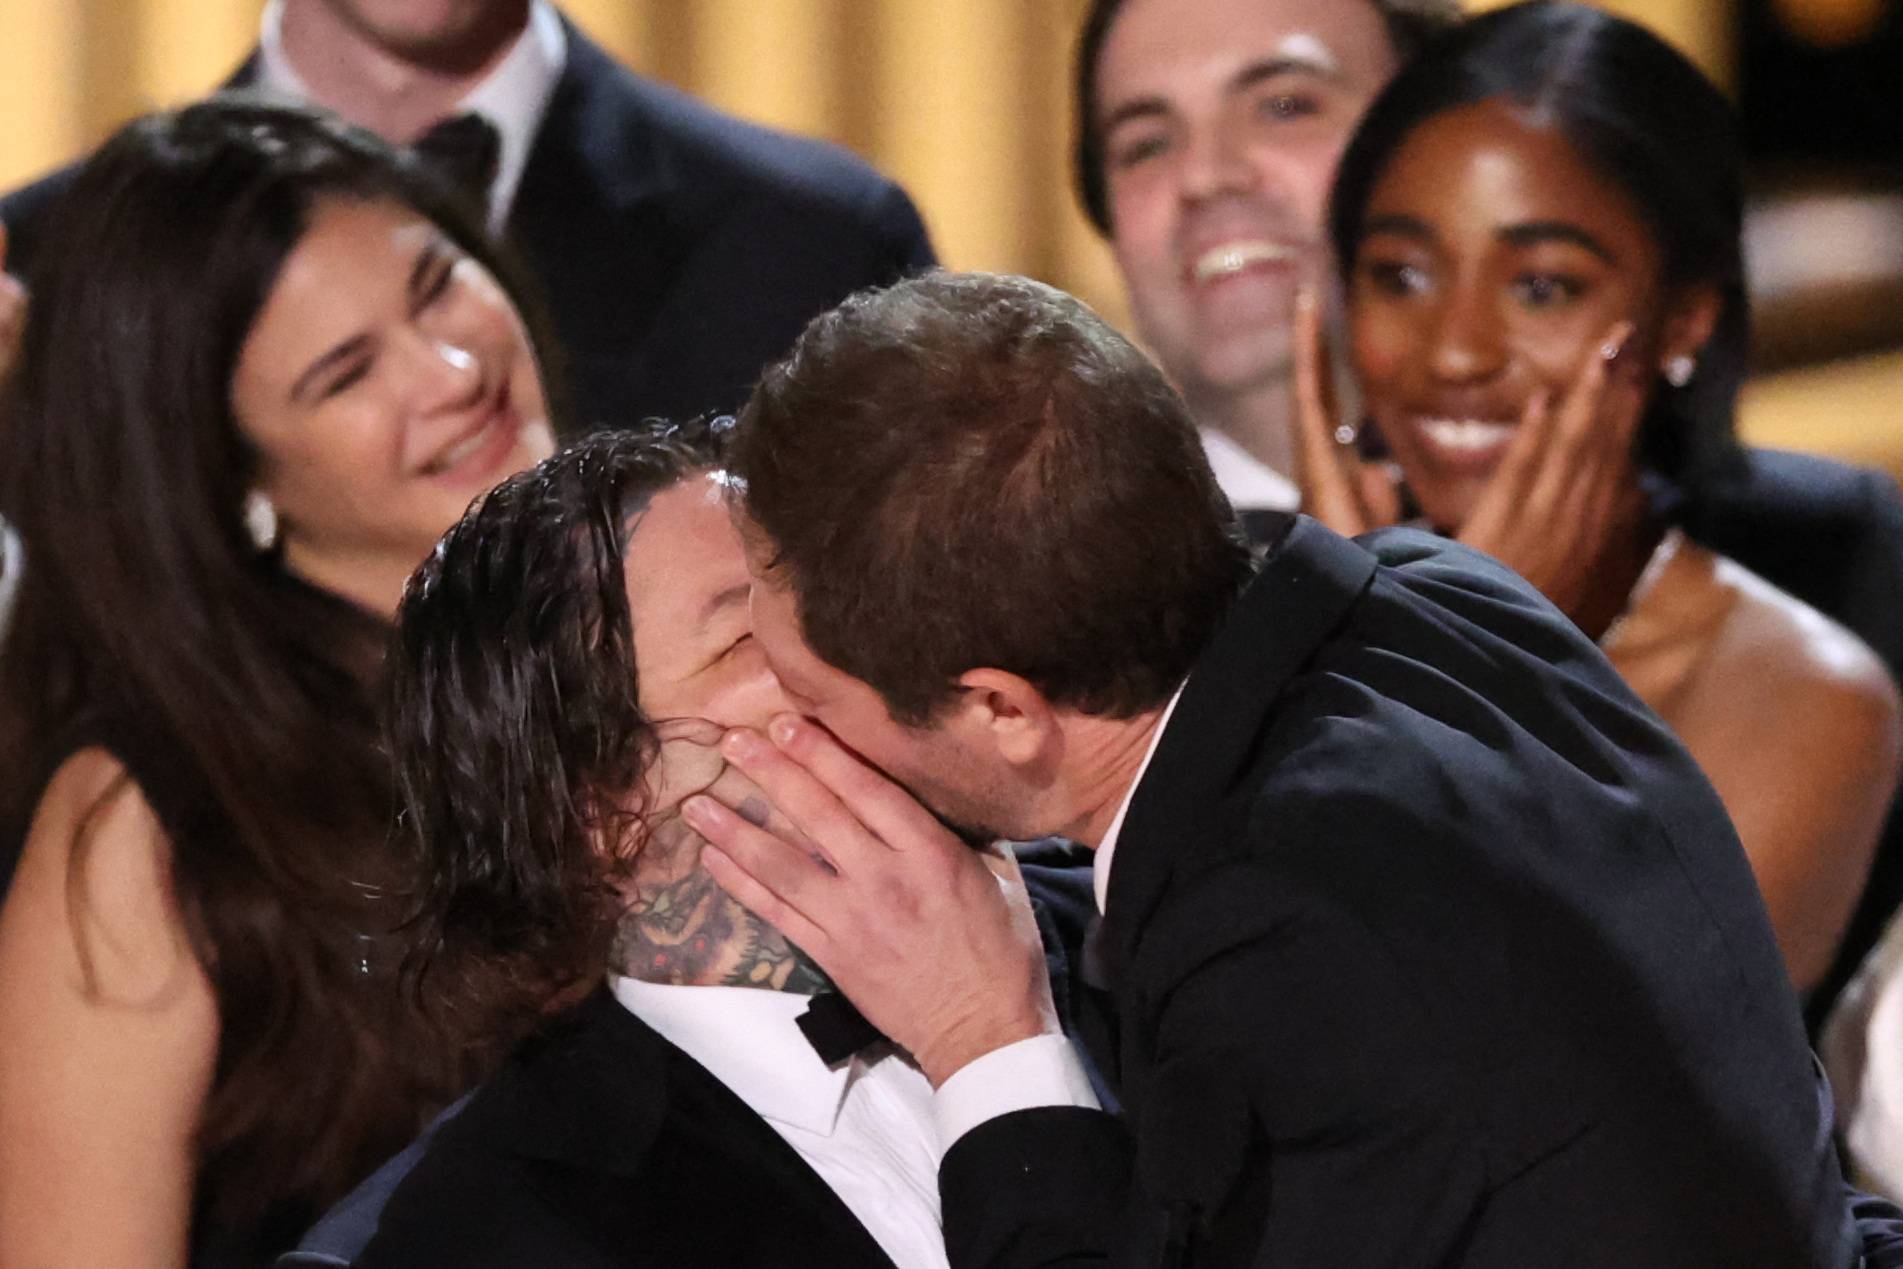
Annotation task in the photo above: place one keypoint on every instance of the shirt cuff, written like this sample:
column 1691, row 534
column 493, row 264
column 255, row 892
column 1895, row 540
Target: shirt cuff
column 1041, row 1071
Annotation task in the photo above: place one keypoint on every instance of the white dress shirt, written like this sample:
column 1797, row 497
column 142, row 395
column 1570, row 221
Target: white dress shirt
column 514, row 96
column 1249, row 483
column 1100, row 859
column 1862, row 1052
column 1031, row 1073
column 872, row 1128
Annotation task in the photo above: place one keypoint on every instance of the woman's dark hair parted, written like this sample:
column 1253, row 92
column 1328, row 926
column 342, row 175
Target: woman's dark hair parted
column 1410, row 25
column 1083, row 544
column 516, row 728
column 1645, row 117
column 148, row 620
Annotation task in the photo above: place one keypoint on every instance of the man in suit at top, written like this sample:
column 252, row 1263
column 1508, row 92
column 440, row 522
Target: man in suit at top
column 1207, row 137
column 679, row 249
column 561, row 660
column 1428, row 943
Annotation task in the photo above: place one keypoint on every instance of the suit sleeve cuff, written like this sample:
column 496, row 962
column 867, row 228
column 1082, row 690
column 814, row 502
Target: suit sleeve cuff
column 1041, row 1071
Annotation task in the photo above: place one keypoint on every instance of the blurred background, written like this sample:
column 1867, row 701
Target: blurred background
column 967, row 104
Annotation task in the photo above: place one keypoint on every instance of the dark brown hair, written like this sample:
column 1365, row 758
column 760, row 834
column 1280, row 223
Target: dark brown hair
column 516, row 728
column 1410, row 24
column 146, row 621
column 968, row 470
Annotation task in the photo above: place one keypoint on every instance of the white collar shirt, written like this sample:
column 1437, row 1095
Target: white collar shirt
column 513, row 97
column 1249, row 483
column 1100, row 860
column 866, row 1127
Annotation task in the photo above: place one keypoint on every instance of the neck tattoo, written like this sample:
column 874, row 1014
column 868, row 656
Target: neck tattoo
column 690, row 932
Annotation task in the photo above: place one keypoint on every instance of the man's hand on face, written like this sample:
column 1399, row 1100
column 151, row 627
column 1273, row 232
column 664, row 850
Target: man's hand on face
column 908, row 921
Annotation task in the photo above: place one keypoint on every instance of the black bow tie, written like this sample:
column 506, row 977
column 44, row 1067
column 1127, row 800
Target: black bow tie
column 465, row 148
column 836, row 1029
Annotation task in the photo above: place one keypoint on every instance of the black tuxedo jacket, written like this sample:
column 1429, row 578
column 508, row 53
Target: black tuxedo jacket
column 679, row 250
column 682, row 250
column 600, row 1145
column 1429, row 946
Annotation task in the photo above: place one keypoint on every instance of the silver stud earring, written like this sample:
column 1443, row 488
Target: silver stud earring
column 1679, row 370
column 261, row 520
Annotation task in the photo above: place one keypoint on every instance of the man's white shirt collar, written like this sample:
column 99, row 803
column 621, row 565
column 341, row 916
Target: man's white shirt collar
column 514, row 96
column 1100, row 861
column 1249, row 483
column 747, row 1039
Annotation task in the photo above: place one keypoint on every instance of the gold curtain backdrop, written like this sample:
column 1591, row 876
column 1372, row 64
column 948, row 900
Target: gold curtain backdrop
column 966, row 103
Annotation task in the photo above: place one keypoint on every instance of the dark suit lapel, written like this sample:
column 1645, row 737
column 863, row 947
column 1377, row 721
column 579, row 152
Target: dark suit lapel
column 635, row 1143
column 1064, row 902
column 592, row 219
column 1304, row 590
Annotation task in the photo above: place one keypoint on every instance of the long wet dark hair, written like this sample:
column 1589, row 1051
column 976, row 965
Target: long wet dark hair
column 517, row 732
column 1653, row 125
column 148, row 623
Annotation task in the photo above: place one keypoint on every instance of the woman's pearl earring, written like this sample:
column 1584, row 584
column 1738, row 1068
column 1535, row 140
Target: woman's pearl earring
column 1679, row 370
column 261, row 520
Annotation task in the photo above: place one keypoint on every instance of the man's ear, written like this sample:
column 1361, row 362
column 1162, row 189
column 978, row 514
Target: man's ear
column 1009, row 713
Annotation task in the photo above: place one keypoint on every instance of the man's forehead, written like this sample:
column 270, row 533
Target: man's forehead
column 1152, row 42
column 682, row 549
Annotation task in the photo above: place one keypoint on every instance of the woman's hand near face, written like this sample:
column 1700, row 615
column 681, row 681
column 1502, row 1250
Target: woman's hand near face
column 1552, row 508
column 1339, row 489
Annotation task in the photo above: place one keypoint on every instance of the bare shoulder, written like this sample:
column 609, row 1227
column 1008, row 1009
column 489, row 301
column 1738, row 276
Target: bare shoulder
column 1816, row 674
column 92, row 896
column 108, row 1032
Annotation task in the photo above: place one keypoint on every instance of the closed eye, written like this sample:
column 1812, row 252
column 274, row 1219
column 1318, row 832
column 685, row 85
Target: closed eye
column 729, row 652
column 350, row 376
column 433, row 285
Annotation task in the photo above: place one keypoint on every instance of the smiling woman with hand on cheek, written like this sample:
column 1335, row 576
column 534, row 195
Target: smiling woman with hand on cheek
column 1538, row 229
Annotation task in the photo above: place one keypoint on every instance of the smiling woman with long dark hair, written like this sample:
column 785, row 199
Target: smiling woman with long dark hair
column 1538, row 227
column 269, row 362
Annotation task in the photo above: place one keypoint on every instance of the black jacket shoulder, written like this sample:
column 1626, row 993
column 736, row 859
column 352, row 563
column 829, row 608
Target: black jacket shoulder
column 600, row 1145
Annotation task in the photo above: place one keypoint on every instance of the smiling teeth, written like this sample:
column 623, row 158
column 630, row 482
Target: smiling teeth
column 461, row 450
column 1469, row 435
column 1234, row 257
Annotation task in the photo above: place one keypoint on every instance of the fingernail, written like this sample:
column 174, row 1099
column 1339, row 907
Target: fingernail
column 783, row 729
column 739, row 744
column 1304, row 297
column 697, row 811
